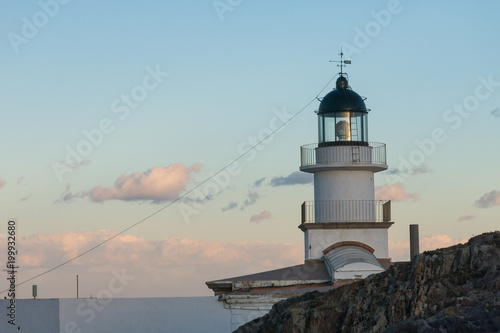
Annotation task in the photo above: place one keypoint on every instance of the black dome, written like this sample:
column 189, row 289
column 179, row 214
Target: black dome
column 342, row 99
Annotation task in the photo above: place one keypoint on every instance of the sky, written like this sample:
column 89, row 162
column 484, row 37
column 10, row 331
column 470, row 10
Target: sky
column 115, row 116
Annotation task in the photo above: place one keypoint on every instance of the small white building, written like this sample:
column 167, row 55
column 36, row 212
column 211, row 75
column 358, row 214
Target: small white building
column 117, row 315
column 345, row 228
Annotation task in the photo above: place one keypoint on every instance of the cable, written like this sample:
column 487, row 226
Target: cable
column 326, row 85
column 174, row 201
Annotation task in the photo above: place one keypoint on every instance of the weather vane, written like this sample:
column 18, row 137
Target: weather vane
column 342, row 62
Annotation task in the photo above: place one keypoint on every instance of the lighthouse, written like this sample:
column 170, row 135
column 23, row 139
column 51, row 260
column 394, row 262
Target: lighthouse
column 345, row 226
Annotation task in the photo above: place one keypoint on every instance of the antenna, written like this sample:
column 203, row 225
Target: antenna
column 342, row 62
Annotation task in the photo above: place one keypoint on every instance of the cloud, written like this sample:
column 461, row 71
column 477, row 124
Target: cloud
column 250, row 200
column 262, row 216
column 466, row 218
column 67, row 196
column 395, row 192
column 437, row 241
column 295, row 178
column 496, row 113
column 415, row 170
column 230, row 206
column 489, row 200
column 157, row 184
column 75, row 164
column 26, row 197
column 2, row 183
column 400, row 250
column 174, row 266
column 200, row 198
column 258, row 182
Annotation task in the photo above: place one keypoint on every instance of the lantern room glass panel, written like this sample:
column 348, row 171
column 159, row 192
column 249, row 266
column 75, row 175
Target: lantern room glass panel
column 337, row 128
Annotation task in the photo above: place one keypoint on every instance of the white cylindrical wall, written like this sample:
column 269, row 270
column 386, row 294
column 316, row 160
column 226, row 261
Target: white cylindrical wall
column 344, row 196
column 320, row 239
column 336, row 185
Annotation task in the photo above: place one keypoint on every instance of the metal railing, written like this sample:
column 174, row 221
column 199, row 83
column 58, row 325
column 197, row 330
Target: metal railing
column 346, row 211
column 374, row 153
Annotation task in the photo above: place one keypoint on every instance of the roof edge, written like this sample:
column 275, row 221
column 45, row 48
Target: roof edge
column 338, row 244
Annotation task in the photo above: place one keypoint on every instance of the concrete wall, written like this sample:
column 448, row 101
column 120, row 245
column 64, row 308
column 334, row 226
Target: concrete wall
column 320, row 239
column 343, row 185
column 120, row 315
column 243, row 316
column 32, row 315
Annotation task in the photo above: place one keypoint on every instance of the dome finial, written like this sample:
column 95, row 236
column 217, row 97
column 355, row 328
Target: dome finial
column 341, row 81
column 342, row 62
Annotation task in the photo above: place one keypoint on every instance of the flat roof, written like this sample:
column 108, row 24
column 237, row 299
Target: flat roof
column 312, row 270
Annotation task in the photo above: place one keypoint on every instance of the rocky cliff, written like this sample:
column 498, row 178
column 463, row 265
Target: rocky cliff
column 456, row 289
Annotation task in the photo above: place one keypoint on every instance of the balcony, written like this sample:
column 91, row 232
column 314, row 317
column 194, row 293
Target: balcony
column 371, row 156
column 346, row 211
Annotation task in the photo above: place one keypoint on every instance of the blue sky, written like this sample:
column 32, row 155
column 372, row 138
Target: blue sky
column 226, row 72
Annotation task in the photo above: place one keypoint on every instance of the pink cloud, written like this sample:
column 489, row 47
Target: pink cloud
column 466, row 218
column 2, row 183
column 174, row 266
column 156, row 184
column 262, row 216
column 436, row 241
column 400, row 250
column 489, row 200
column 394, row 192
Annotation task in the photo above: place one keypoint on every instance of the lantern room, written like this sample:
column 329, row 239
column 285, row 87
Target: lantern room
column 342, row 117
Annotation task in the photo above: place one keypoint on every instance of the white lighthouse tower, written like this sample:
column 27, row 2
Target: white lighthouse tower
column 345, row 226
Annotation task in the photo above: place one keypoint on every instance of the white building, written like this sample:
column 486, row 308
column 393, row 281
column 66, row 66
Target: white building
column 119, row 315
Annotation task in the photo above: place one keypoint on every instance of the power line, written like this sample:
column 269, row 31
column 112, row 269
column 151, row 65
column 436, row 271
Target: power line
column 175, row 200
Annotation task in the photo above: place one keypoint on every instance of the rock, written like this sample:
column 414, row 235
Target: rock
column 456, row 289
